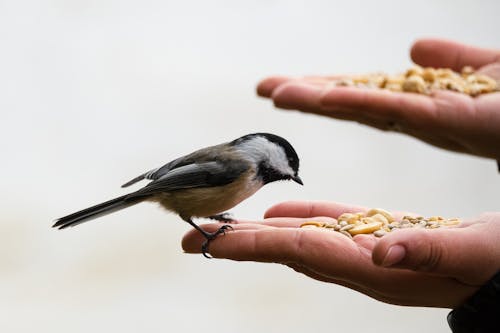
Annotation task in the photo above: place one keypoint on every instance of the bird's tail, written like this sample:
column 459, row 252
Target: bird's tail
column 93, row 212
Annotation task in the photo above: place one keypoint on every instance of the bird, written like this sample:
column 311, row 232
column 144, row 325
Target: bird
column 207, row 182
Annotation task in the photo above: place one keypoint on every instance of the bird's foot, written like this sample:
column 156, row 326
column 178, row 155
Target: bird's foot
column 210, row 236
column 224, row 217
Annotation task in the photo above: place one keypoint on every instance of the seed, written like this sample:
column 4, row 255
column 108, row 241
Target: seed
column 423, row 80
column 346, row 233
column 432, row 224
column 345, row 82
column 422, row 224
column 347, row 227
column 375, row 222
column 394, row 225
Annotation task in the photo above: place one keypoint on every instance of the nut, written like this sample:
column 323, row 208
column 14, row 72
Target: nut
column 379, row 222
column 349, row 218
column 429, row 74
column 386, row 214
column 415, row 84
column 414, row 71
column 424, row 80
column 365, row 228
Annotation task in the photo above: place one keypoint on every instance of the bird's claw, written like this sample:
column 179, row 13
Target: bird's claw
column 212, row 236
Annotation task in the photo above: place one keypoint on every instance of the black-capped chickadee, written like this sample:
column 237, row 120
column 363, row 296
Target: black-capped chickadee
column 207, row 182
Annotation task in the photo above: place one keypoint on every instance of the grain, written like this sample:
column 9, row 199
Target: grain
column 425, row 80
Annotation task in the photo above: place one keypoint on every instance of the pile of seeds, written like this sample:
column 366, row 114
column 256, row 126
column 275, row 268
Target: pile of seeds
column 379, row 222
column 424, row 80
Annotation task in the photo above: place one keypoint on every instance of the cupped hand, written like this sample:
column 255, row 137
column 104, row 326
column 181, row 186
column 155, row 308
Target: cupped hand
column 417, row 267
column 445, row 119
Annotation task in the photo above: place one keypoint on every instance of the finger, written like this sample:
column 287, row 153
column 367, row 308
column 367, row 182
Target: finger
column 299, row 95
column 406, row 109
column 308, row 209
column 289, row 245
column 455, row 252
column 446, row 53
column 266, row 87
column 409, row 113
column 305, row 95
column 192, row 240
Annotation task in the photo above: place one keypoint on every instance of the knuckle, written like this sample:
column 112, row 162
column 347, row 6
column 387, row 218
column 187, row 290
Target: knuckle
column 428, row 255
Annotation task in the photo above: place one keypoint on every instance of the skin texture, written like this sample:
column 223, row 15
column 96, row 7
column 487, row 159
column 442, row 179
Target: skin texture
column 445, row 119
column 443, row 267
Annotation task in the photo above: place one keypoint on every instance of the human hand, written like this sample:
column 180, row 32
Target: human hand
column 439, row 267
column 445, row 119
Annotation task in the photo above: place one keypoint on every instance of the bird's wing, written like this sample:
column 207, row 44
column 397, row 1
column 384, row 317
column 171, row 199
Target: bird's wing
column 202, row 155
column 208, row 174
column 146, row 175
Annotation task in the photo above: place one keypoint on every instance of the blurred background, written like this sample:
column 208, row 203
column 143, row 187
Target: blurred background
column 93, row 93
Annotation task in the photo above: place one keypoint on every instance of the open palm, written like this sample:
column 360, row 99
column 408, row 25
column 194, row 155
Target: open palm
column 445, row 119
column 441, row 267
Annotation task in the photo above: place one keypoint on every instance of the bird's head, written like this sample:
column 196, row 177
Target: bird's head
column 274, row 157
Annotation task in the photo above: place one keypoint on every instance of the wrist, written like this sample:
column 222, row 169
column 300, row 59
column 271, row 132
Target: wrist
column 481, row 312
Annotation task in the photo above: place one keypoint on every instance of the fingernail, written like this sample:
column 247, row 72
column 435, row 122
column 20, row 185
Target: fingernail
column 395, row 254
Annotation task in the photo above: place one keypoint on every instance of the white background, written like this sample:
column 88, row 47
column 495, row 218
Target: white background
column 93, row 93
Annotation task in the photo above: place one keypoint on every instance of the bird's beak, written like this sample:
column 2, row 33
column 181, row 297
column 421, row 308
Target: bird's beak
column 297, row 180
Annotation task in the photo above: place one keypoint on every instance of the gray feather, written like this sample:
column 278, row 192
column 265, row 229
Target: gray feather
column 147, row 175
column 194, row 175
column 200, row 156
column 93, row 212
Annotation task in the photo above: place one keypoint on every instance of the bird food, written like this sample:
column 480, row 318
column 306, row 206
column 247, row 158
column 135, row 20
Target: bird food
column 424, row 80
column 379, row 222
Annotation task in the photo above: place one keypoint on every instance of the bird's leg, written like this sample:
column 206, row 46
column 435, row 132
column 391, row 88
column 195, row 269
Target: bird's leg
column 224, row 218
column 208, row 235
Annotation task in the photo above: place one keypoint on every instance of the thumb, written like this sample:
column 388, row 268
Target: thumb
column 445, row 53
column 466, row 254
